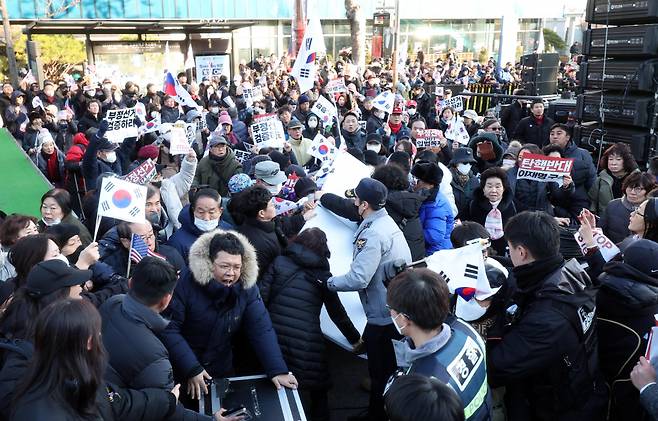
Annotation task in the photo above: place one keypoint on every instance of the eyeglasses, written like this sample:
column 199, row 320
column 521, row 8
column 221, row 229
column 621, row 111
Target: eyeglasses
column 496, row 128
column 636, row 189
column 225, row 267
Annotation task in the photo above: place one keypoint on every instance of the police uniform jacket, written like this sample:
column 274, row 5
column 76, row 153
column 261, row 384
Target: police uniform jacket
column 377, row 241
column 456, row 356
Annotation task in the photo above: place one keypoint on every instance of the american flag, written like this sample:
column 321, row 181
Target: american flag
column 140, row 250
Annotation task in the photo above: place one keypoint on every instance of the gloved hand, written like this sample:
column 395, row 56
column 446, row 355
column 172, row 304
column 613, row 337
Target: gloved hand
column 102, row 129
column 399, row 265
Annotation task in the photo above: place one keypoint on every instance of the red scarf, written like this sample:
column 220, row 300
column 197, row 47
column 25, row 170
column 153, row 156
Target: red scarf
column 539, row 120
column 395, row 128
column 52, row 166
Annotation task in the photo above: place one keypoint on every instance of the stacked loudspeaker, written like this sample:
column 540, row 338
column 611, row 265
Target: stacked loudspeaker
column 539, row 73
column 623, row 47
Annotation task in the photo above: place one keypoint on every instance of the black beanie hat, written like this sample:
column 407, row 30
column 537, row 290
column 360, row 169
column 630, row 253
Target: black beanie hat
column 428, row 172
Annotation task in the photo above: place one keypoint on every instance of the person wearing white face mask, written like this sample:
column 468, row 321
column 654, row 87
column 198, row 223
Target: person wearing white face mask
column 464, row 181
column 101, row 156
column 436, row 342
column 269, row 175
column 56, row 209
column 200, row 216
column 374, row 143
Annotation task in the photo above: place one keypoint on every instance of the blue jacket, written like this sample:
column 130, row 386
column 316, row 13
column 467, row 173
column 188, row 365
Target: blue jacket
column 188, row 233
column 204, row 315
column 438, row 221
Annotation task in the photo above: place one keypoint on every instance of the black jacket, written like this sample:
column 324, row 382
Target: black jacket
column 463, row 194
column 615, row 218
column 137, row 358
column 117, row 257
column 528, row 131
column 510, row 116
column 88, row 121
column 294, row 295
column 626, row 303
column 113, row 402
column 547, row 357
column 480, row 207
column 355, row 140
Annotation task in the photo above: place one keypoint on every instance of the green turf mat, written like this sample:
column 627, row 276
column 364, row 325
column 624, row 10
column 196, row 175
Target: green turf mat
column 21, row 183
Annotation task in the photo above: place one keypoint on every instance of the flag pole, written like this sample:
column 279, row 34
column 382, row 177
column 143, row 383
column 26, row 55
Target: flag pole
column 129, row 250
column 98, row 223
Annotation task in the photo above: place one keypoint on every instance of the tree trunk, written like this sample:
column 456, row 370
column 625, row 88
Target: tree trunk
column 357, row 20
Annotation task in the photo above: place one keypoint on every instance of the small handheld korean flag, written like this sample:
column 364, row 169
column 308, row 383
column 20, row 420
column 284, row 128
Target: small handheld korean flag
column 122, row 200
column 304, row 70
column 384, row 101
column 322, row 149
column 463, row 269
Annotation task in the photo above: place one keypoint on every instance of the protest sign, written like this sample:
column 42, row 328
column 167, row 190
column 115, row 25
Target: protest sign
column 241, row 156
column 144, row 173
column 607, row 248
column 121, row 124
column 229, row 101
column 123, row 200
column 251, row 94
column 190, row 132
column 544, row 168
column 178, row 144
column 336, row 86
column 324, row 109
column 363, row 124
column 201, row 123
column 267, row 131
column 428, row 138
column 455, row 102
column 212, row 66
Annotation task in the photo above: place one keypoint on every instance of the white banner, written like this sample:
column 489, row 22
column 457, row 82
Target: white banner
column 121, row 124
column 178, row 144
column 544, row 168
column 336, row 86
column 268, row 132
column 209, row 66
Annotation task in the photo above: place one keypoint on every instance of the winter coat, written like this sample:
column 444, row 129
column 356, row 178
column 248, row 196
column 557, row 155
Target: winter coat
column 267, row 239
column 438, row 222
column 92, row 167
column 626, row 303
column 601, row 192
column 188, row 233
column 170, row 114
column 463, row 194
column 583, row 174
column 88, row 121
column 204, row 316
column 117, row 257
column 373, row 124
column 528, row 131
column 137, row 359
column 481, row 164
column 529, row 195
column 294, row 298
column 41, row 163
column 547, row 357
column 216, row 173
column 480, row 207
column 240, row 130
column 355, row 140
column 511, row 115
column 300, row 148
column 173, row 189
column 614, row 220
column 390, row 140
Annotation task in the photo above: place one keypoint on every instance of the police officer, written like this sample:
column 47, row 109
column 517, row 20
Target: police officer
column 377, row 242
column 437, row 344
column 547, row 358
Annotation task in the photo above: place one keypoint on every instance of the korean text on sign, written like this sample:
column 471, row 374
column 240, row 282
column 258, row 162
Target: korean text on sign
column 544, row 168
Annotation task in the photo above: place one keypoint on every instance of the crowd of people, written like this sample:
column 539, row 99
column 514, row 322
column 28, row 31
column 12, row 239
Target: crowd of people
column 225, row 284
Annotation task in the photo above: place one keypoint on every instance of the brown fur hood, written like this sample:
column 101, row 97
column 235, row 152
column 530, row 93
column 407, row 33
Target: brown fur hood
column 201, row 264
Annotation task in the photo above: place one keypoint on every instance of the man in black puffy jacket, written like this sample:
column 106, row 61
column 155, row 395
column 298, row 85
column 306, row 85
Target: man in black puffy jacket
column 536, row 127
column 137, row 358
column 547, row 355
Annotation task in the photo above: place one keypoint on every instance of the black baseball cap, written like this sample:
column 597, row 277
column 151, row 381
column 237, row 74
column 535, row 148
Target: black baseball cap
column 49, row 276
column 371, row 191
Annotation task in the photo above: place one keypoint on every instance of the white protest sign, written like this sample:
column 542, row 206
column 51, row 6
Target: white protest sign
column 121, row 124
column 455, row 102
column 178, row 144
column 607, row 248
column 428, row 138
column 346, row 174
column 267, row 132
column 363, row 124
column 212, row 66
column 324, row 109
column 251, row 94
column 190, row 132
column 229, row 101
column 336, row 86
column 544, row 168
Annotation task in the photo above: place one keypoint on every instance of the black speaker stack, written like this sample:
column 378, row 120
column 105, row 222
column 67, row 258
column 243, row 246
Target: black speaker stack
column 622, row 45
column 539, row 73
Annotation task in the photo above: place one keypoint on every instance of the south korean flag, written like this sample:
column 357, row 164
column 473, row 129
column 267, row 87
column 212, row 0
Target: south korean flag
column 322, row 149
column 120, row 199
